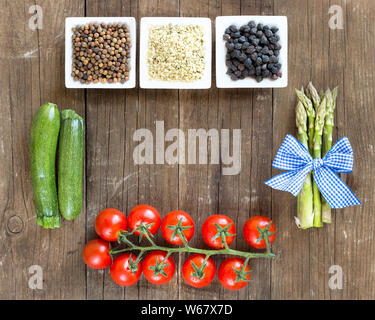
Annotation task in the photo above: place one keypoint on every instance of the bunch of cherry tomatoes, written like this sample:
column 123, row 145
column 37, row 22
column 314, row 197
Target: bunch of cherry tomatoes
column 177, row 228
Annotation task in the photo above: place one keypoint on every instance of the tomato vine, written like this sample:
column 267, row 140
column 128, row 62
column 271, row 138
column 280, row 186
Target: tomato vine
column 177, row 228
column 221, row 232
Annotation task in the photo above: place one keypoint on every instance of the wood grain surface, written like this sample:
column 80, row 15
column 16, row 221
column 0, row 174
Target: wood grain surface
column 32, row 72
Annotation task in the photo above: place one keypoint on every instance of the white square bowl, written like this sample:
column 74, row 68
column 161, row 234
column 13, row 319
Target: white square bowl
column 145, row 82
column 222, row 79
column 72, row 22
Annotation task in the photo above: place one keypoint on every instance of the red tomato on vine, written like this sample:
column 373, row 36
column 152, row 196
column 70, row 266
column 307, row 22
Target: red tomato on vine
column 146, row 216
column 96, row 254
column 125, row 271
column 257, row 229
column 232, row 275
column 197, row 272
column 157, row 268
column 215, row 227
column 109, row 223
column 175, row 223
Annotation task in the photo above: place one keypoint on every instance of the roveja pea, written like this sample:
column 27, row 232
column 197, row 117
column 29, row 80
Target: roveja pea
column 101, row 53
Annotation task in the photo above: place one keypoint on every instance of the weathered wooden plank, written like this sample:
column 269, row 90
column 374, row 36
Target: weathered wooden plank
column 30, row 83
column 260, row 158
column 321, row 240
column 158, row 183
column 130, row 197
column 291, row 268
column 19, row 65
column 65, row 246
column 337, row 43
column 235, row 107
column 355, row 226
column 110, row 114
column 198, row 182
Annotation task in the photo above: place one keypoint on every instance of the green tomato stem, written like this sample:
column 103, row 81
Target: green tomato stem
column 188, row 249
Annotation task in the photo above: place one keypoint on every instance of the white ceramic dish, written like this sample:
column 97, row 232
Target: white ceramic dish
column 222, row 79
column 145, row 82
column 71, row 23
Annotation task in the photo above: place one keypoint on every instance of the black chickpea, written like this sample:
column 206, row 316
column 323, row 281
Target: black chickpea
column 253, row 51
column 101, row 53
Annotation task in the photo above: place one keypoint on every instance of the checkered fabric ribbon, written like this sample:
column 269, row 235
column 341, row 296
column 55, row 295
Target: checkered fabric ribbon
column 294, row 157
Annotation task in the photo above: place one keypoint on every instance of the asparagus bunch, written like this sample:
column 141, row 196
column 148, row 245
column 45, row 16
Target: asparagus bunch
column 314, row 120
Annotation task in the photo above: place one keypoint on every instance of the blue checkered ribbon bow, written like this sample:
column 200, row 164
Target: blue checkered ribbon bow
column 294, row 157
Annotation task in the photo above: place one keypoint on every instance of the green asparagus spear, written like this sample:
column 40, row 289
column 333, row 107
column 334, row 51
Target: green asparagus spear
column 312, row 93
column 305, row 197
column 328, row 123
column 311, row 117
column 327, row 142
column 319, row 124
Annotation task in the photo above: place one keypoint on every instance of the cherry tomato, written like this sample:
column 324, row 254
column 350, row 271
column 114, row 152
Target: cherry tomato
column 174, row 221
column 196, row 276
column 145, row 214
column 156, row 269
column 211, row 234
column 96, row 254
column 251, row 233
column 231, row 276
column 125, row 273
column 109, row 223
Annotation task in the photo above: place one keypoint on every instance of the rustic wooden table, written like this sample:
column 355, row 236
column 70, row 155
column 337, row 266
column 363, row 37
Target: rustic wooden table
column 32, row 68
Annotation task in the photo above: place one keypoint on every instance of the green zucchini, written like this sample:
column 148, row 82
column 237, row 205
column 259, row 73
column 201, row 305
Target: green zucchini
column 43, row 145
column 70, row 164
